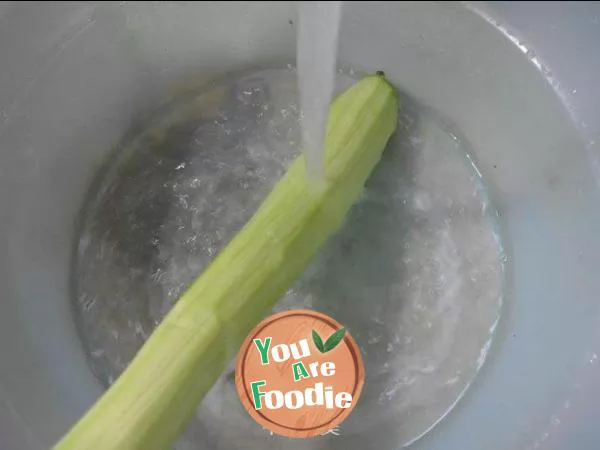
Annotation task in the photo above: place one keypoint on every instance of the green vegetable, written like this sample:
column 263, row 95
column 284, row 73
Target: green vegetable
column 150, row 403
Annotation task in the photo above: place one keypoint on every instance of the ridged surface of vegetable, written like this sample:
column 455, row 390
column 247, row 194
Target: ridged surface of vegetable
column 150, row 403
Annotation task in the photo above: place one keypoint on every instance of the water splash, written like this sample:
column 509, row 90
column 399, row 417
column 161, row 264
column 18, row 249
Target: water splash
column 316, row 60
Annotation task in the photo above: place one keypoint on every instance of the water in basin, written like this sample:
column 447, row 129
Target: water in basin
column 415, row 273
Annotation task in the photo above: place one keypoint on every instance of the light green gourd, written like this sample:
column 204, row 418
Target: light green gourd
column 151, row 402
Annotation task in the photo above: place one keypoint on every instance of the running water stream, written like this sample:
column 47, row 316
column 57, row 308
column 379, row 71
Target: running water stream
column 316, row 60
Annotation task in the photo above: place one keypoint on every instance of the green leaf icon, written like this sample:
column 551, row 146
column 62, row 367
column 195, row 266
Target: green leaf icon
column 318, row 341
column 334, row 340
